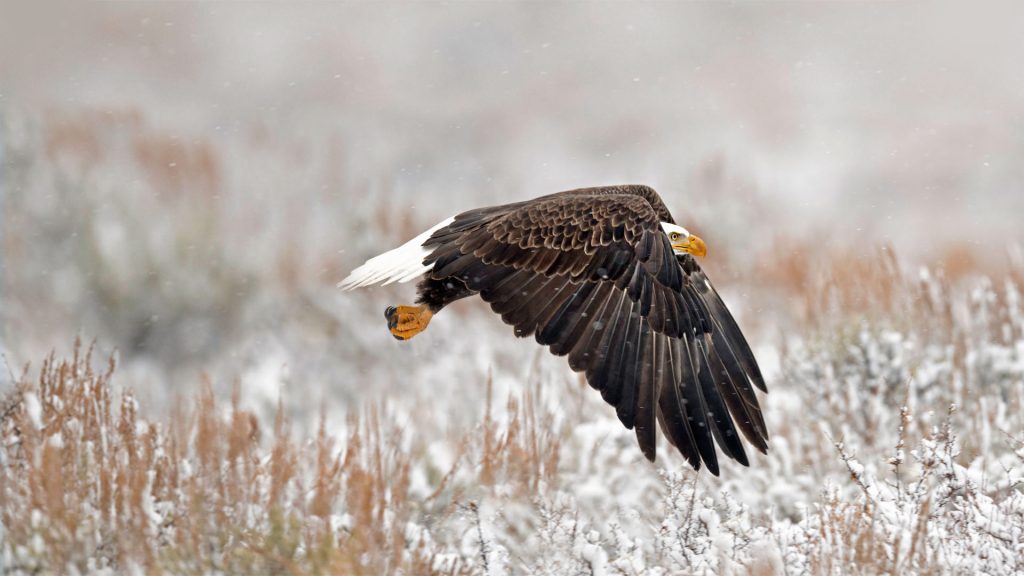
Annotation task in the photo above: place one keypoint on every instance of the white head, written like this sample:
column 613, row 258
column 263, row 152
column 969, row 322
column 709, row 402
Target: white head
column 682, row 241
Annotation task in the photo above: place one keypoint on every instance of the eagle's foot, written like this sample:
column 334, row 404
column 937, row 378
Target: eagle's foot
column 404, row 322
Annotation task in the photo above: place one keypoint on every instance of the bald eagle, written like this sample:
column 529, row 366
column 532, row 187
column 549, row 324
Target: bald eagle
column 605, row 277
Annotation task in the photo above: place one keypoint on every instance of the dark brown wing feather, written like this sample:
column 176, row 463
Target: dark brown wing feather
column 591, row 274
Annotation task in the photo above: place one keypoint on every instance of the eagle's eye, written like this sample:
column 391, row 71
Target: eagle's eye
column 674, row 236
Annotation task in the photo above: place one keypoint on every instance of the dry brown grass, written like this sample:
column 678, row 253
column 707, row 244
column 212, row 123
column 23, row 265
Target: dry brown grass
column 169, row 165
column 215, row 488
column 88, row 484
column 825, row 286
column 526, row 451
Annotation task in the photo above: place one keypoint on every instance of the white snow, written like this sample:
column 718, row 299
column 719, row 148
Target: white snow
column 33, row 409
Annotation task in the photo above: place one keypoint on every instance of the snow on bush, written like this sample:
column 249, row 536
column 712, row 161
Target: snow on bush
column 895, row 451
column 317, row 444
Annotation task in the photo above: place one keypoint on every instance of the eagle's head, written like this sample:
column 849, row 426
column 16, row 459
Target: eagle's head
column 683, row 242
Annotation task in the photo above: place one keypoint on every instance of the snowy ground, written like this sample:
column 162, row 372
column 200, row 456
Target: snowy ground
column 192, row 200
column 896, row 447
column 276, row 426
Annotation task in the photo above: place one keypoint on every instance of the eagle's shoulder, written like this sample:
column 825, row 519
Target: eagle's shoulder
column 633, row 195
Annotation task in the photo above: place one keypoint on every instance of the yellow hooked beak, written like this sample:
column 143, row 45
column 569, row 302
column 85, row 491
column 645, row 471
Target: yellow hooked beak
column 692, row 245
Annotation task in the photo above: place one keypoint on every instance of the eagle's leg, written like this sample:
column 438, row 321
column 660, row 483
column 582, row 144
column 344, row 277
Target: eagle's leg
column 404, row 322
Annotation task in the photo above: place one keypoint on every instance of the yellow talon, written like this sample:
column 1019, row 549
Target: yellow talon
column 404, row 322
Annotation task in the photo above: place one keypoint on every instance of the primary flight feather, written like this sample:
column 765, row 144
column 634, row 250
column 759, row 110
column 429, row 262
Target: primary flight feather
column 607, row 278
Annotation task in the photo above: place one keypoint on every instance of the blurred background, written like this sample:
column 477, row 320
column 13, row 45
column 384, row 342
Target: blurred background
column 186, row 182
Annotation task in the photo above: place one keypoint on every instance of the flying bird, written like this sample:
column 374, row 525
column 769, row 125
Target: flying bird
column 605, row 277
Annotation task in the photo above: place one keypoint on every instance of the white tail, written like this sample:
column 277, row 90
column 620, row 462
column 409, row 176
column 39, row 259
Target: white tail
column 399, row 265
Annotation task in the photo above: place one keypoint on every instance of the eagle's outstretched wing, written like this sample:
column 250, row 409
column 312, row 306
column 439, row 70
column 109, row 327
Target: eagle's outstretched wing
column 591, row 274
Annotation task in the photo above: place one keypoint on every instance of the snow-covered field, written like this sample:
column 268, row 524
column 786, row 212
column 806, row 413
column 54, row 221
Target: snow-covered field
column 896, row 448
column 186, row 208
column 277, row 427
